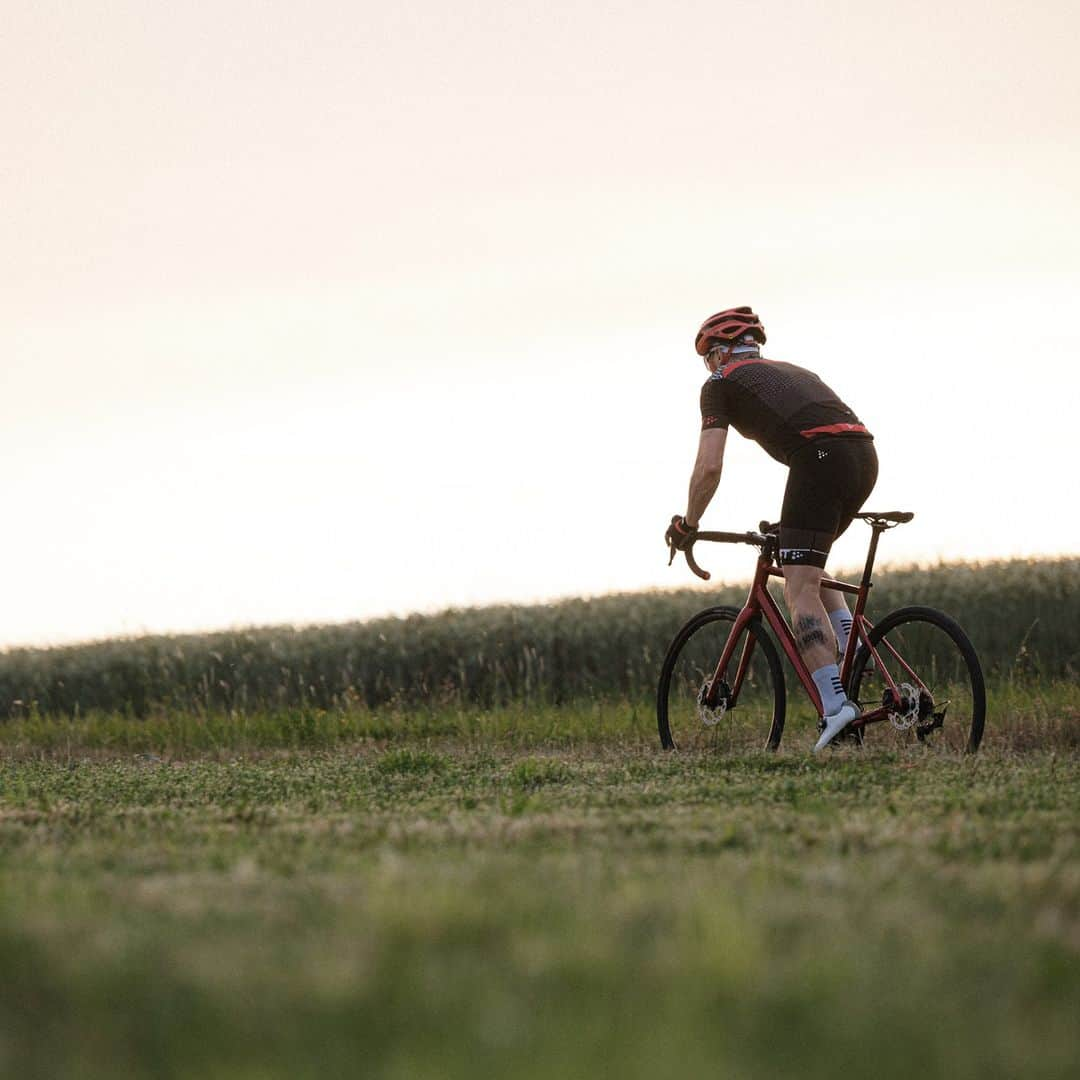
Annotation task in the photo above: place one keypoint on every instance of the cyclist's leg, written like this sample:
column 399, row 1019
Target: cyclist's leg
column 809, row 620
column 817, row 646
column 839, row 615
column 811, row 517
column 833, row 600
column 863, row 470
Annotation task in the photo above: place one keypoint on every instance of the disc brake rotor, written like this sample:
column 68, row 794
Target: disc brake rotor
column 711, row 715
column 912, row 705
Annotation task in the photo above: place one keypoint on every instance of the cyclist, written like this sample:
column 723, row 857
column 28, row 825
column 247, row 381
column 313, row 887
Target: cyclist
column 833, row 466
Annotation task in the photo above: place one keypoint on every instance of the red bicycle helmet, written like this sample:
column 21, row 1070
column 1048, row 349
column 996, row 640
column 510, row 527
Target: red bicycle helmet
column 728, row 326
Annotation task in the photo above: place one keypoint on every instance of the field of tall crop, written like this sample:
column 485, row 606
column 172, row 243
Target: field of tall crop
column 1024, row 618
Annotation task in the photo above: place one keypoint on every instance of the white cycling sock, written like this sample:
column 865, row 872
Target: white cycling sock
column 827, row 680
column 841, row 624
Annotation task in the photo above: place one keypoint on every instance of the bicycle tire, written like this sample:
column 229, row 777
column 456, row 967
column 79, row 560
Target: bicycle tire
column 686, row 664
column 920, row 635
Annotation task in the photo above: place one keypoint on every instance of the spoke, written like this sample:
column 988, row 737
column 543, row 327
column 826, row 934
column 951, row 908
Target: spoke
column 699, row 720
column 931, row 691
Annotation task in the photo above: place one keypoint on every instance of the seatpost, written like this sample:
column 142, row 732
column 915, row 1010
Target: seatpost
column 877, row 530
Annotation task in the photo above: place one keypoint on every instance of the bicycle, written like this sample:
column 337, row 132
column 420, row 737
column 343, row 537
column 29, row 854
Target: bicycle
column 912, row 668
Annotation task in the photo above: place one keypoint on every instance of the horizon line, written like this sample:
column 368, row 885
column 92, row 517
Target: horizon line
column 433, row 613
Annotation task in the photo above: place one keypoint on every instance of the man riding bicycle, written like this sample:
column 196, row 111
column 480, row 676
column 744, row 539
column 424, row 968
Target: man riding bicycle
column 799, row 421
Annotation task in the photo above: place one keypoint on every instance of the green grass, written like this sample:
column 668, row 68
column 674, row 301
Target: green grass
column 535, row 893
column 1021, row 715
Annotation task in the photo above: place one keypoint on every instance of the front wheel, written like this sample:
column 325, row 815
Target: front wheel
column 686, row 719
column 937, row 692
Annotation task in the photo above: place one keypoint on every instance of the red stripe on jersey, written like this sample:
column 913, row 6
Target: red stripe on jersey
column 834, row 429
column 728, row 368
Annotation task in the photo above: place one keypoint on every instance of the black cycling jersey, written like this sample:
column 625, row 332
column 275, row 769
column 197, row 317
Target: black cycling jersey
column 780, row 406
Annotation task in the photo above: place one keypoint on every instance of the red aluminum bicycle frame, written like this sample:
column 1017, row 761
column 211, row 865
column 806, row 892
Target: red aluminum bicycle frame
column 760, row 603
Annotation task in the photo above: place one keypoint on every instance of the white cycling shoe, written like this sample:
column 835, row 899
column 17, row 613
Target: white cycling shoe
column 836, row 723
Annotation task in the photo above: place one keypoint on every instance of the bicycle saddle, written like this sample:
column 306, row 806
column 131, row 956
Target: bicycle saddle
column 897, row 517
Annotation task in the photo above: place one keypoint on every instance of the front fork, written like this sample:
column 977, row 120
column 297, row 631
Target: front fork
column 720, row 691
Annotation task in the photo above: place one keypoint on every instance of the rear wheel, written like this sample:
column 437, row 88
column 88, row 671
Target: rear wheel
column 689, row 722
column 940, row 695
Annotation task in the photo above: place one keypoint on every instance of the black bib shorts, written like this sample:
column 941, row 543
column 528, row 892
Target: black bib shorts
column 829, row 481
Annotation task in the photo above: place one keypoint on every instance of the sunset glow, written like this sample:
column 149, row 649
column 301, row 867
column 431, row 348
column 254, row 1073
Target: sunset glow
column 317, row 313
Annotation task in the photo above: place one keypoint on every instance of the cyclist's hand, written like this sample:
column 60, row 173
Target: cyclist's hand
column 679, row 533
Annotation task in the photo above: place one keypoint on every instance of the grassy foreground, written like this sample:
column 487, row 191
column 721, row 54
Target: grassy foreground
column 542, row 894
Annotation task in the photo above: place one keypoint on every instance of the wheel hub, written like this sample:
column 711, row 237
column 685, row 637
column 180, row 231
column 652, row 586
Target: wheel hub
column 711, row 715
column 907, row 706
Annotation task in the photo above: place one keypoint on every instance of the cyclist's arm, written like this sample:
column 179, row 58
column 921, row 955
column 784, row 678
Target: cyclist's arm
column 706, row 475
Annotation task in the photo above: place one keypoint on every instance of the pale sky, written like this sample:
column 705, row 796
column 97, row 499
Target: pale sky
column 318, row 312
